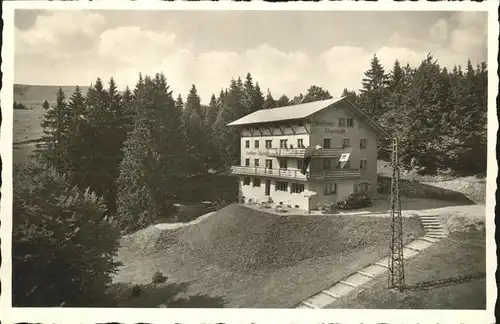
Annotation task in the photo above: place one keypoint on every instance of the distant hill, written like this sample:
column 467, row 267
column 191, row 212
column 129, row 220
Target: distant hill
column 33, row 94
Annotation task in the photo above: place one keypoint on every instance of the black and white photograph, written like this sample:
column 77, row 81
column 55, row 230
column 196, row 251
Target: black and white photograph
column 257, row 159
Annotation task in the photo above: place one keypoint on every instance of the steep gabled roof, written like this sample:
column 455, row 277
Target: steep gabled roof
column 302, row 111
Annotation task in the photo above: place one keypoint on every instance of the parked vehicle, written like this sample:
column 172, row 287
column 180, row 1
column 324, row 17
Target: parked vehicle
column 355, row 201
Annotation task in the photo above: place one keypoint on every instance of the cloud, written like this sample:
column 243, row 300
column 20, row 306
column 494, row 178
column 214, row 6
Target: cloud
column 211, row 71
column 149, row 52
column 58, row 33
column 126, row 50
column 130, row 44
column 462, row 37
column 439, row 31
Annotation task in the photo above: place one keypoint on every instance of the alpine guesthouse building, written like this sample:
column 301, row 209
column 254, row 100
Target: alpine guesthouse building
column 307, row 154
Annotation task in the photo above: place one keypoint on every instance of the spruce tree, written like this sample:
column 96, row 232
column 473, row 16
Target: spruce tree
column 269, row 102
column 56, row 133
column 258, row 98
column 316, row 93
column 76, row 145
column 283, row 101
column 193, row 121
column 228, row 137
column 248, row 95
column 422, row 119
column 373, row 91
column 153, row 157
column 63, row 244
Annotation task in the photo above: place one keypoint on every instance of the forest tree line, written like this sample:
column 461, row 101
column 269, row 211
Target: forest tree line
column 141, row 142
column 111, row 162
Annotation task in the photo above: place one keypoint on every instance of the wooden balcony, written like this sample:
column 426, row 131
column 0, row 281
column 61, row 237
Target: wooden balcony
column 295, row 174
column 333, row 174
column 299, row 152
column 266, row 172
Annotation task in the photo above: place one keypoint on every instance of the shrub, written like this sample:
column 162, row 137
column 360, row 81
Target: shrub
column 158, row 278
column 63, row 244
column 18, row 105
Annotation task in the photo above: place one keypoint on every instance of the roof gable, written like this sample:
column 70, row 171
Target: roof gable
column 302, row 111
column 299, row 111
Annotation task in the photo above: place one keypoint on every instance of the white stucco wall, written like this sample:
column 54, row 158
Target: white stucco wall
column 354, row 134
column 286, row 198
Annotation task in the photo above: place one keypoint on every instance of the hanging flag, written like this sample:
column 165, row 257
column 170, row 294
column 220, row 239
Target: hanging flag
column 307, row 157
column 344, row 157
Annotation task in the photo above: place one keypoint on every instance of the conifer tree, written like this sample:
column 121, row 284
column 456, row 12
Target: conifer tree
column 248, row 95
column 127, row 100
column 193, row 120
column 316, row 93
column 269, row 102
column 258, row 98
column 351, row 95
column 228, row 137
column 56, row 129
column 76, row 148
column 373, row 91
column 422, row 119
column 153, row 156
column 63, row 244
column 283, row 101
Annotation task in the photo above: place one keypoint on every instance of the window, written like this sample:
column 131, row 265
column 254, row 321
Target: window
column 257, row 144
column 246, row 181
column 327, row 164
column 327, row 143
column 281, row 186
column 300, row 143
column 346, row 142
column 269, row 164
column 256, row 182
column 350, row 122
column 362, row 164
column 247, row 144
column 300, row 164
column 283, row 163
column 283, row 143
column 297, row 187
column 341, row 122
column 363, row 187
column 247, row 162
column 256, row 162
column 330, row 189
column 362, row 143
column 269, row 143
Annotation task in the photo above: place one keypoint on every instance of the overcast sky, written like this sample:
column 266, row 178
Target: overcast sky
column 285, row 51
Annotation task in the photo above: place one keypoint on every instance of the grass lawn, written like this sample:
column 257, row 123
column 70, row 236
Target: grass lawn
column 240, row 257
column 462, row 254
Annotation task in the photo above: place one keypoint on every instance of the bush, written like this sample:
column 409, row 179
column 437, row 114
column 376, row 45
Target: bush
column 63, row 244
column 158, row 278
column 18, row 105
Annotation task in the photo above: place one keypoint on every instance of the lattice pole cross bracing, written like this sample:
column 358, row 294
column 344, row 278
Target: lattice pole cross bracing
column 396, row 261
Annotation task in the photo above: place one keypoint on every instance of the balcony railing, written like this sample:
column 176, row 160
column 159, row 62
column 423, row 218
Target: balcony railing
column 295, row 174
column 299, row 152
column 334, row 174
column 278, row 173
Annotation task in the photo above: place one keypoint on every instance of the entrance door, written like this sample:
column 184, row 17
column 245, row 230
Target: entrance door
column 268, row 188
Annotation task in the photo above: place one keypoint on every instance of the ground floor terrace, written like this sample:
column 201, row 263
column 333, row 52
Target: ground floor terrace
column 305, row 195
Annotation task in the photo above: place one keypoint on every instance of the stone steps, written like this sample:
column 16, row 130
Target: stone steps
column 343, row 287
